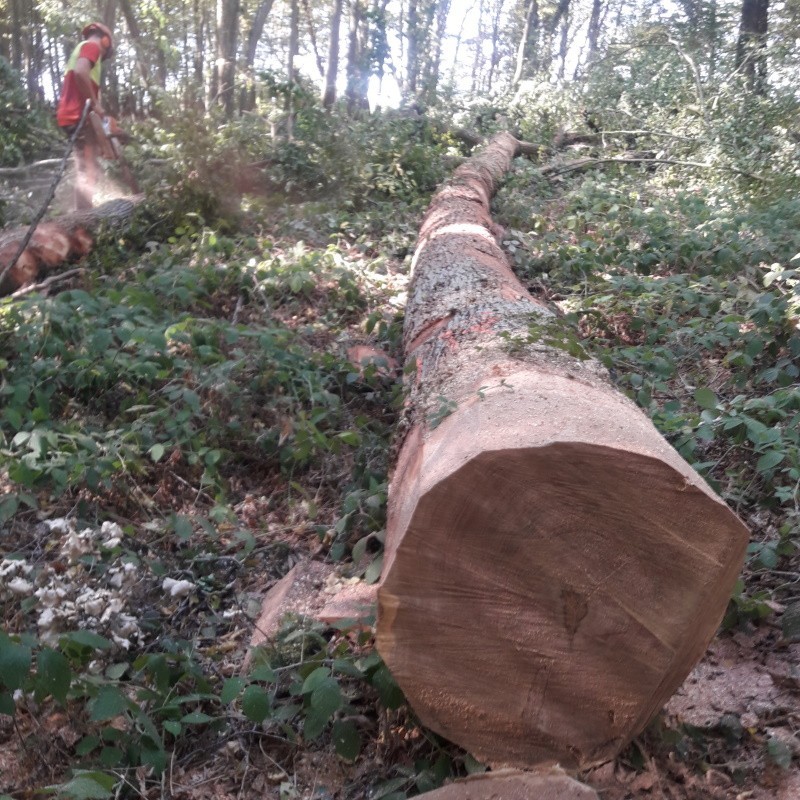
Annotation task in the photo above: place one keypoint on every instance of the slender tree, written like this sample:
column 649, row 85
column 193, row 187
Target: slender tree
column 332, row 71
column 526, row 50
column 413, row 37
column 257, row 23
column 225, row 67
column 357, row 58
column 751, row 56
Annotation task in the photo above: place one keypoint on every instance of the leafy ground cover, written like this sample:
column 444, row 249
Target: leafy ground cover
column 182, row 424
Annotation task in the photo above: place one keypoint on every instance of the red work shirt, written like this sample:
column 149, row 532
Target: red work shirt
column 70, row 106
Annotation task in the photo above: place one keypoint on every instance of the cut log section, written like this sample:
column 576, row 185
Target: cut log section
column 514, row 785
column 553, row 568
column 55, row 242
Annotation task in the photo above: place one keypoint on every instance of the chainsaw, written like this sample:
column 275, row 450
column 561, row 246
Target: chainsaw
column 110, row 139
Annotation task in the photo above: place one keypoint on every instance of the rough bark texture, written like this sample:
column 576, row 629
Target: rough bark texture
column 55, row 242
column 553, row 568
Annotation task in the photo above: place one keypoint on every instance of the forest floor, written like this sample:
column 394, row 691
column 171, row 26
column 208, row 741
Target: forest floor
column 729, row 733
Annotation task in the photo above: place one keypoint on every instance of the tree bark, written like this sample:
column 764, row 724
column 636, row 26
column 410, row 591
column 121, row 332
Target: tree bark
column 412, row 53
column 526, row 50
column 553, row 568
column 357, row 69
column 248, row 95
column 225, row 67
column 332, row 71
column 752, row 43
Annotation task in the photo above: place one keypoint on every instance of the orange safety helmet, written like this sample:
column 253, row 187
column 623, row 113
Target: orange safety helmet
column 105, row 32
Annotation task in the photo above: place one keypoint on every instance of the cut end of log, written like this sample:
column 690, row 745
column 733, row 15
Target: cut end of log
column 515, row 785
column 545, row 602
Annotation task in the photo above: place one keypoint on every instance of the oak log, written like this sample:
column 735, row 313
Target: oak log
column 56, row 242
column 553, row 568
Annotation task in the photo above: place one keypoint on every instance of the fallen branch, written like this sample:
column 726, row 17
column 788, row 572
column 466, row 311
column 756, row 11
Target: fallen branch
column 46, row 284
column 585, row 163
column 475, row 139
column 26, row 169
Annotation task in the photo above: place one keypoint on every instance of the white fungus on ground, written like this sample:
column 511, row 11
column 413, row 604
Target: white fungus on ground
column 177, row 588
column 80, row 597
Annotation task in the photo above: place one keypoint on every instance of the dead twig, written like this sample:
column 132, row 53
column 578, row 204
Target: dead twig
column 45, row 284
column 585, row 163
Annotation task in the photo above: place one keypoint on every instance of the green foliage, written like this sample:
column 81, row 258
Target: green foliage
column 142, row 710
column 101, row 387
column 21, row 127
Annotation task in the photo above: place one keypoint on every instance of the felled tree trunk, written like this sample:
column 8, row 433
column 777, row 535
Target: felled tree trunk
column 54, row 242
column 553, row 568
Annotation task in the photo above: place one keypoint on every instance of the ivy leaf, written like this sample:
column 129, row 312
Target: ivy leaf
column 346, row 740
column 779, row 752
column 86, row 745
column 255, row 703
column 196, row 718
column 88, row 786
column 790, row 622
column 230, row 690
column 88, row 639
column 324, row 702
column 15, row 662
column 7, row 705
column 390, row 693
column 53, row 675
column 705, row 398
column 315, row 679
column 769, row 460
column 109, row 703
column 373, row 572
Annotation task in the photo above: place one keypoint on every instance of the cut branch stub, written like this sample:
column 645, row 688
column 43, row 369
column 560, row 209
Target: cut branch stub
column 553, row 567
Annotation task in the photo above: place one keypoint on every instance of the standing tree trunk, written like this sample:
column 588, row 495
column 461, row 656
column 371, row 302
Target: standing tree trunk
column 593, row 34
column 752, row 43
column 433, row 63
column 553, row 568
column 248, row 96
column 199, row 61
column 332, row 72
column 136, row 37
column 357, row 69
column 291, row 73
column 477, row 61
column 412, row 51
column 495, row 48
column 225, row 66
column 526, row 51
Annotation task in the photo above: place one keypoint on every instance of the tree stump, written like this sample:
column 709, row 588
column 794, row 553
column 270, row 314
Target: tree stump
column 553, row 568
